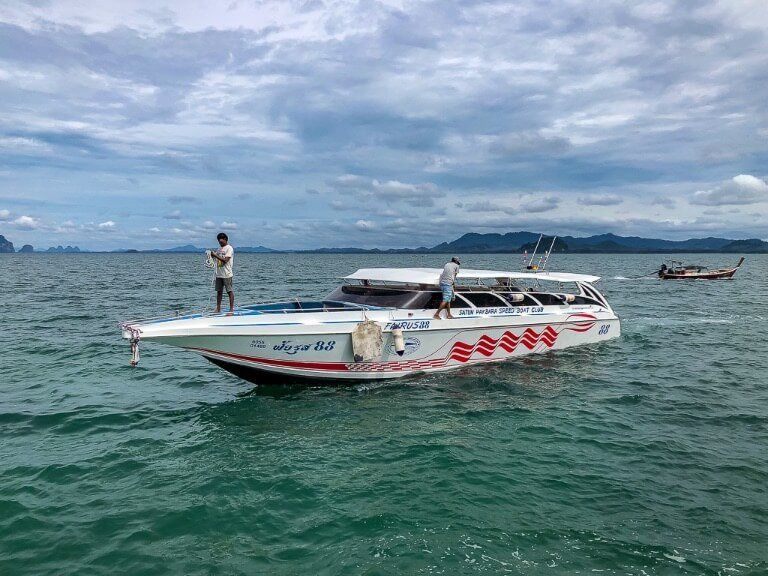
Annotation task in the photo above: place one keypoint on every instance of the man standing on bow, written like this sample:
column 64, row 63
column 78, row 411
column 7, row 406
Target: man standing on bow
column 224, row 257
column 448, row 287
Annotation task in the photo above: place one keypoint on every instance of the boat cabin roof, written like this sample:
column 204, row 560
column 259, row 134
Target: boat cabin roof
column 431, row 276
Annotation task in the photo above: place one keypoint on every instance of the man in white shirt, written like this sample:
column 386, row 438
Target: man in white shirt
column 447, row 285
column 225, row 256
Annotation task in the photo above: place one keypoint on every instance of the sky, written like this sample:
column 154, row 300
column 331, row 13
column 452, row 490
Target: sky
column 390, row 123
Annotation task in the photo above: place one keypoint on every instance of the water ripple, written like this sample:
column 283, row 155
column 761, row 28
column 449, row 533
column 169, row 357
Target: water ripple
column 642, row 456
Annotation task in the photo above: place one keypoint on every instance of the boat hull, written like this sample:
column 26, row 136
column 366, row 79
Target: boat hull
column 710, row 275
column 430, row 346
column 697, row 273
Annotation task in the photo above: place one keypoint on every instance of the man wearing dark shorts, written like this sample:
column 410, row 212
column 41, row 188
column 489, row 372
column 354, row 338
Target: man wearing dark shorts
column 224, row 258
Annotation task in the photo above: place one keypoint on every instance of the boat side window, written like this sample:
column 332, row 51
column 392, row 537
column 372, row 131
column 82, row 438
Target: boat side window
column 526, row 301
column 585, row 300
column 484, row 299
column 547, row 299
column 435, row 298
column 592, row 293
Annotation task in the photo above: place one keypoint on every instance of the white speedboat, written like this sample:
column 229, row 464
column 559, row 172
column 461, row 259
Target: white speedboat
column 379, row 324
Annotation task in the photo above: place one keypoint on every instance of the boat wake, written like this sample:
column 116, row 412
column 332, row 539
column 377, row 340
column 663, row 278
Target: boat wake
column 646, row 277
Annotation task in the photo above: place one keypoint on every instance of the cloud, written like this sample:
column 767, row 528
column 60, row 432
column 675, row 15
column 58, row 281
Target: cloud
column 182, row 199
column 108, row 225
column 437, row 164
column 739, row 190
column 5, row 215
column 520, row 205
column 483, row 206
column 413, row 106
column 26, row 223
column 664, row 201
column 600, row 199
column 174, row 215
column 396, row 190
column 209, row 225
column 543, row 204
column 229, row 225
column 341, row 205
column 365, row 225
column 390, row 191
column 527, row 143
column 350, row 182
column 24, row 144
column 66, row 227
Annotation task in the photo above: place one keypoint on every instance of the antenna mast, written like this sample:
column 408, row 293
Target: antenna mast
column 548, row 253
column 530, row 265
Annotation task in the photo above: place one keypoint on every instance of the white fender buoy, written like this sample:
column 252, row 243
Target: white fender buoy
column 515, row 297
column 397, row 335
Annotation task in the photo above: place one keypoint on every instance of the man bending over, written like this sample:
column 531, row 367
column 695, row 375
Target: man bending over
column 448, row 286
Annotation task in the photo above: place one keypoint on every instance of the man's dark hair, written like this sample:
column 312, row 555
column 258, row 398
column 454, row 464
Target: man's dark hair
column 221, row 235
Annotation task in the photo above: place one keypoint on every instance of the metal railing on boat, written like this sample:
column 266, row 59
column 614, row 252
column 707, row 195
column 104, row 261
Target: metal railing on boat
column 251, row 309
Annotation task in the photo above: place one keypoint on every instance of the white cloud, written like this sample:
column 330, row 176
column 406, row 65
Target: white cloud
column 526, row 143
column 27, row 223
column 108, row 225
column 664, row 201
column 520, row 205
column 23, row 145
column 389, row 191
column 741, row 189
column 350, row 181
column 600, row 199
column 274, row 98
column 537, row 205
column 396, row 190
column 365, row 225
column 229, row 225
column 341, row 205
column 5, row 215
column 650, row 10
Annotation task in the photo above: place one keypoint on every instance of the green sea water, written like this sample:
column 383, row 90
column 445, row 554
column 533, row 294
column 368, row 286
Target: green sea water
column 643, row 455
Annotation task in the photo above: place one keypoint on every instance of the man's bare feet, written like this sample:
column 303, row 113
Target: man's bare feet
column 436, row 317
column 230, row 313
column 450, row 317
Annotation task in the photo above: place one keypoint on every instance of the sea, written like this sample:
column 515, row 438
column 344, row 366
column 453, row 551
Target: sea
column 643, row 455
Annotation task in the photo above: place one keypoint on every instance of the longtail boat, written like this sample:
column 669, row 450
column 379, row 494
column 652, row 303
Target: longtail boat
column 676, row 271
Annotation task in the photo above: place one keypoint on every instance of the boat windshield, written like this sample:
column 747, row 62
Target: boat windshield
column 382, row 296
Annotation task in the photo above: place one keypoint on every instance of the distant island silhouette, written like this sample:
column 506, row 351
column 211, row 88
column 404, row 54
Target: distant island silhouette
column 491, row 243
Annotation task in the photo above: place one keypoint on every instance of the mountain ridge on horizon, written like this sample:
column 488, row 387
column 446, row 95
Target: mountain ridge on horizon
column 494, row 242
column 607, row 243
